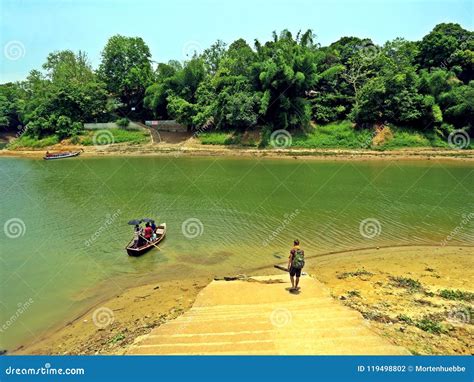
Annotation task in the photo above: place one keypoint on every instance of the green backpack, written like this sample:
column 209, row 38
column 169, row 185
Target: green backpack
column 298, row 259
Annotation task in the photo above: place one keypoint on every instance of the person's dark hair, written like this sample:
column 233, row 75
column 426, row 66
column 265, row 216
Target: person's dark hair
column 296, row 242
column 147, row 224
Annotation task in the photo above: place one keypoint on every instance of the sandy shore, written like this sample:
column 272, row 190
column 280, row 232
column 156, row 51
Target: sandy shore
column 398, row 291
column 195, row 149
column 372, row 282
column 110, row 326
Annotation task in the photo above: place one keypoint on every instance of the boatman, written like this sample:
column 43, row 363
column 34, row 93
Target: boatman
column 295, row 265
column 148, row 232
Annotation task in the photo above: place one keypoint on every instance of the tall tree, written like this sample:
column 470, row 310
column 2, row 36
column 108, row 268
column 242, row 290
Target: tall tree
column 284, row 72
column 438, row 47
column 126, row 70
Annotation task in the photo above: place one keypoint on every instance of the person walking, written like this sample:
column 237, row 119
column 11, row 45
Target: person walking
column 295, row 265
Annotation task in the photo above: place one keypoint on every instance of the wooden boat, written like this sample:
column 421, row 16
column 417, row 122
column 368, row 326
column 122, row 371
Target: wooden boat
column 66, row 154
column 160, row 235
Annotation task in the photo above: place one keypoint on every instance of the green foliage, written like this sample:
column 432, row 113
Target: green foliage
column 182, row 110
column 359, row 272
column 428, row 325
column 391, row 96
column 407, row 283
column 353, row 293
column 117, row 338
column 406, row 319
column 126, row 70
column 285, row 71
column 289, row 83
column 119, row 136
column 122, row 122
column 445, row 40
column 215, row 138
column 10, row 105
column 333, row 135
column 458, row 105
column 59, row 100
column 451, row 294
column 213, row 56
column 26, row 141
column 406, row 138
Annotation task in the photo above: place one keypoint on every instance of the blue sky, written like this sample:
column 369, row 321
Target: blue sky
column 30, row 29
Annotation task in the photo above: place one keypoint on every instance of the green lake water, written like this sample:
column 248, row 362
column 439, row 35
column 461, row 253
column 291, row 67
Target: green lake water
column 65, row 250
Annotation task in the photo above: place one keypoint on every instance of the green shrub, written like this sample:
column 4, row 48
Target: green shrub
column 216, row 138
column 406, row 319
column 451, row 294
column 333, row 135
column 359, row 272
column 428, row 325
column 407, row 283
column 406, row 138
column 110, row 136
column 122, row 122
column 26, row 141
column 353, row 293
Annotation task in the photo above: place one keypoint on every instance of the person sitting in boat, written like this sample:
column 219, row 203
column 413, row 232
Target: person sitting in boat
column 136, row 236
column 148, row 232
column 153, row 227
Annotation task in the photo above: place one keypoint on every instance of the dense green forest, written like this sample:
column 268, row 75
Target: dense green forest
column 290, row 82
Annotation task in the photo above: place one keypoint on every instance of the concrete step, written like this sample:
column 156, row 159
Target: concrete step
column 241, row 317
column 351, row 345
column 316, row 334
column 236, row 324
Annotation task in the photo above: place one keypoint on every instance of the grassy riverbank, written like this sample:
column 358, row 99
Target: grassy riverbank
column 337, row 135
column 86, row 138
column 330, row 141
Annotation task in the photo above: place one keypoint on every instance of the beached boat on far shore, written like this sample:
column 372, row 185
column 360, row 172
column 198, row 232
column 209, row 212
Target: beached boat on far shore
column 62, row 155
